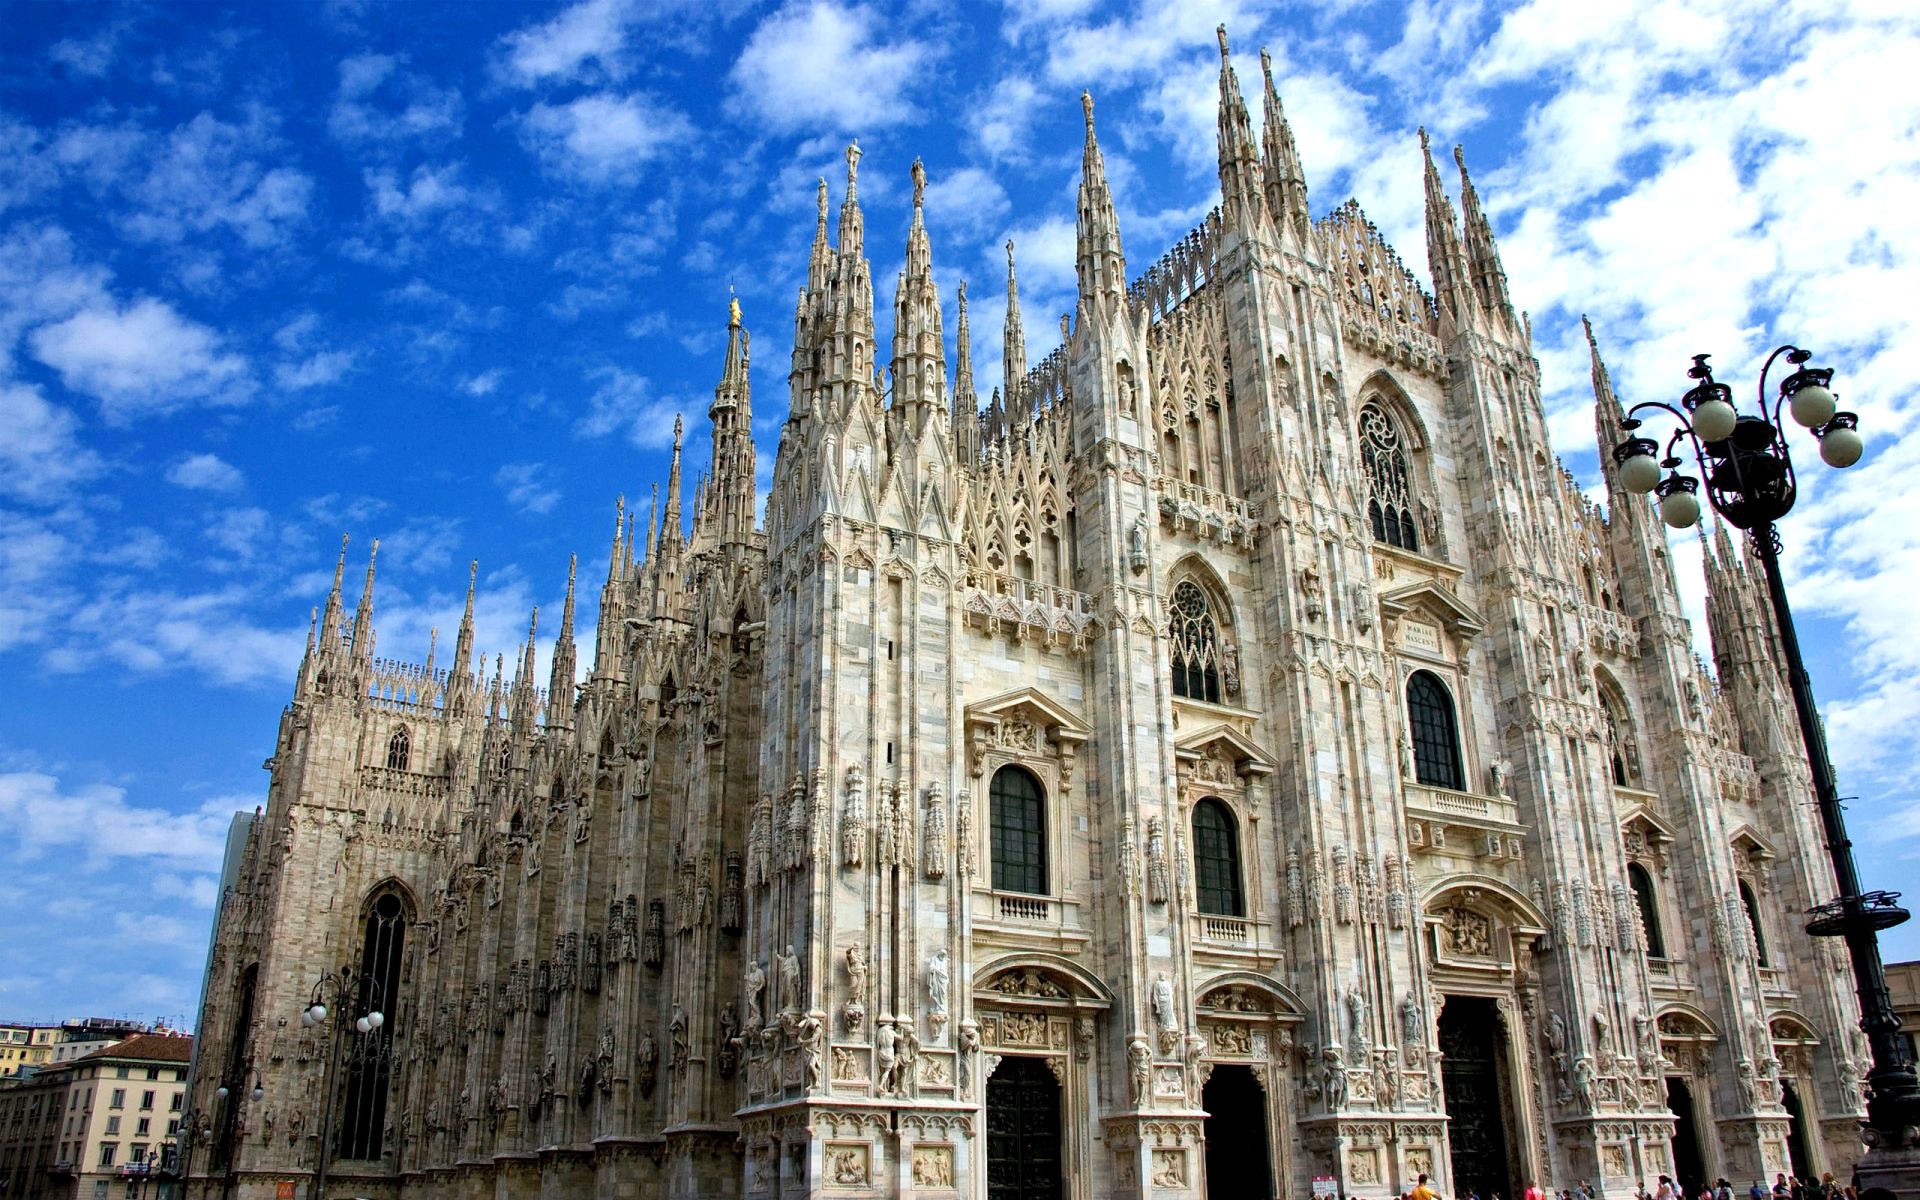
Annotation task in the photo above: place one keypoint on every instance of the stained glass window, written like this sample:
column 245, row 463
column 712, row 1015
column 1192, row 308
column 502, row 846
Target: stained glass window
column 1389, row 491
column 1196, row 645
column 1019, row 832
column 1435, row 733
column 1216, row 860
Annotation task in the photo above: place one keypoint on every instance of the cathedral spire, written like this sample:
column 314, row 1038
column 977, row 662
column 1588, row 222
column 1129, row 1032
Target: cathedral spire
column 1240, row 184
column 617, row 556
column 1488, row 277
column 820, row 258
column 458, row 680
column 525, row 703
column 966, row 401
column 1445, row 258
column 728, row 503
column 670, row 531
column 1014, row 338
column 1100, row 263
column 919, row 342
column 363, row 615
column 852, row 235
column 565, row 659
column 1285, row 179
column 330, row 625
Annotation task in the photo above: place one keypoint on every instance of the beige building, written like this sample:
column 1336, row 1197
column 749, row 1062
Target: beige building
column 97, row 1127
column 1238, row 755
column 1903, row 982
column 25, row 1048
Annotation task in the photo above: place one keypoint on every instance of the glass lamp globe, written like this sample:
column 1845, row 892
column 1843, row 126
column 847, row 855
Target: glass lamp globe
column 1840, row 447
column 306, row 1017
column 319, row 1012
column 1812, row 406
column 1680, row 509
column 1713, row 421
column 362, row 1025
column 259, row 1093
column 220, row 1093
column 376, row 1018
column 1640, row 474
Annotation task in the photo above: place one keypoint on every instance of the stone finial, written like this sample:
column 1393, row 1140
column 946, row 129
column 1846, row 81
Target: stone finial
column 1220, row 31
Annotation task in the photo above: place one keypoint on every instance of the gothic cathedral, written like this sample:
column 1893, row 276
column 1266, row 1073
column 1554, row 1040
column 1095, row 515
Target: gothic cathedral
column 1236, row 760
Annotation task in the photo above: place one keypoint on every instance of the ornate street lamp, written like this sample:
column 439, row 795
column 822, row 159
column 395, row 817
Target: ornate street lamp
column 348, row 990
column 1744, row 460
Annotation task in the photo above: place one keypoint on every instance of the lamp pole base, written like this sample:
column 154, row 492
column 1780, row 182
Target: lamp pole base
column 1889, row 1174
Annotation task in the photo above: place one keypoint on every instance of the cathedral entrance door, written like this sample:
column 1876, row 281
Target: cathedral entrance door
column 1473, row 1074
column 1023, row 1131
column 1690, row 1170
column 1239, row 1165
column 1799, row 1153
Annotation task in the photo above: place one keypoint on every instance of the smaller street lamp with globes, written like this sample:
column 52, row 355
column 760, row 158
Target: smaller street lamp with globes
column 1748, row 470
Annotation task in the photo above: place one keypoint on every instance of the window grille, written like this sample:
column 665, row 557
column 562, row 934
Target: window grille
column 1195, row 645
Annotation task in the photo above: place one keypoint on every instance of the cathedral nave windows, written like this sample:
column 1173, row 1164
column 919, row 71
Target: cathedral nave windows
column 1752, row 907
column 1216, row 860
column 1195, row 645
column 1019, row 832
column 1648, row 902
column 399, row 749
column 1434, row 730
column 1390, row 498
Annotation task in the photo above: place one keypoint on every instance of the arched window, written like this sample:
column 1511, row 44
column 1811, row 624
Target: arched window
column 1389, row 488
column 1649, row 905
column 363, row 1123
column 1216, row 860
column 1435, row 733
column 399, row 749
column 1019, row 832
column 1621, row 759
column 1196, row 645
column 1752, row 906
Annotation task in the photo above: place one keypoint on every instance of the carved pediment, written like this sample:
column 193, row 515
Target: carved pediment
column 1030, row 706
column 1437, row 602
column 1652, row 829
column 1749, row 846
column 1222, row 743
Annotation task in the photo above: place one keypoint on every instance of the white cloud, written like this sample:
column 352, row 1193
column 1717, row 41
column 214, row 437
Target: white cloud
column 414, row 109
column 586, row 40
column 140, row 360
column 207, row 175
column 42, row 458
column 430, row 190
column 97, row 824
column 318, row 370
column 965, row 202
column 206, row 473
column 626, row 403
column 815, row 65
column 525, row 488
column 483, row 384
column 1003, row 121
column 603, row 138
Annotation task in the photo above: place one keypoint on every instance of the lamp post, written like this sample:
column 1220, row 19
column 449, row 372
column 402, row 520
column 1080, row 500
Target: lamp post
column 1745, row 463
column 348, row 990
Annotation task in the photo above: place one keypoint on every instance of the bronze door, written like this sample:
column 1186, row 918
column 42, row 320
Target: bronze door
column 1472, row 1041
column 1023, row 1131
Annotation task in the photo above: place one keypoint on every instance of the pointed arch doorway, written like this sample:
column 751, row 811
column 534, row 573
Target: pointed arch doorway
column 1023, row 1131
column 1239, row 1160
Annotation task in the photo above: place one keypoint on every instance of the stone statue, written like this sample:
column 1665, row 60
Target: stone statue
column 648, row 1059
column 1164, row 1017
column 1139, row 1069
column 790, row 980
column 886, row 1059
column 728, row 1025
column 1362, row 1038
column 756, row 985
column 938, row 981
column 1412, row 1022
column 677, row 1037
column 856, row 974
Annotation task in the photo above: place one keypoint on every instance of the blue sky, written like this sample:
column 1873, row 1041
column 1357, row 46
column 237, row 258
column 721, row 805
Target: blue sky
column 442, row 274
